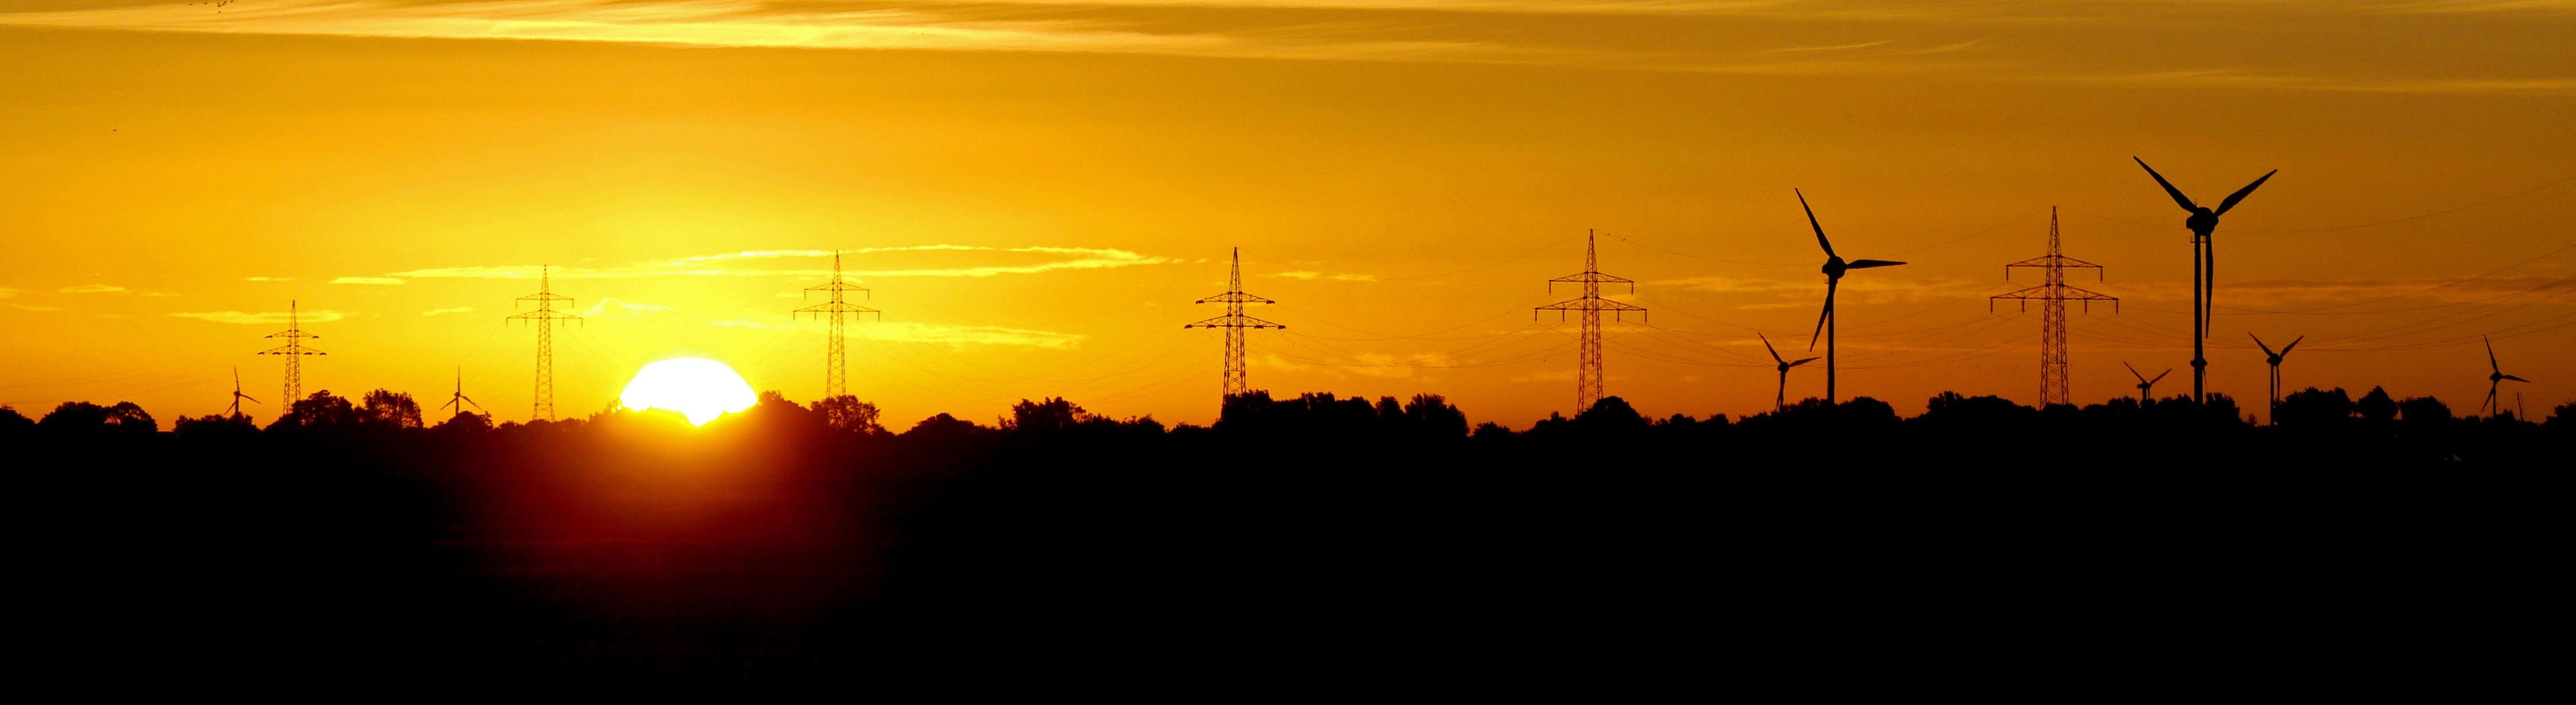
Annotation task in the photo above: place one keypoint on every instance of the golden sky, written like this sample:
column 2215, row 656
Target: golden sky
column 1037, row 190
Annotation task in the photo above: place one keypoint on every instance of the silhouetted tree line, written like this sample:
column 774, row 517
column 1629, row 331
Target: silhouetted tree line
column 810, row 538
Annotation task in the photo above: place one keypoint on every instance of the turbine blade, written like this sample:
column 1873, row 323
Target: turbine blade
column 2240, row 194
column 2160, row 376
column 1803, row 361
column 2184, row 201
column 1830, row 285
column 1811, row 222
column 2133, row 371
column 2209, row 286
column 2285, row 349
column 1766, row 345
column 2491, row 361
column 2258, row 342
column 2517, row 379
column 1868, row 263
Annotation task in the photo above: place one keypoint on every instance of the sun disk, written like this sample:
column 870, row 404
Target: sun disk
column 698, row 388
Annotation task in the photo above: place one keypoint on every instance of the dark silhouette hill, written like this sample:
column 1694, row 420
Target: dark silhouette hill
column 796, row 541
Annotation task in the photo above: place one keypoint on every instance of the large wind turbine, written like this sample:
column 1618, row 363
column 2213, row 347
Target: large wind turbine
column 460, row 400
column 2204, row 268
column 1834, row 268
column 2275, row 359
column 2147, row 387
column 238, row 396
column 1780, row 401
column 2495, row 376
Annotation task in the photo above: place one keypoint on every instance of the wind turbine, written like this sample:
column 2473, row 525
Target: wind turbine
column 2147, row 387
column 460, row 400
column 1834, row 268
column 238, row 396
column 1780, row 402
column 2495, row 376
column 2204, row 267
column 2275, row 359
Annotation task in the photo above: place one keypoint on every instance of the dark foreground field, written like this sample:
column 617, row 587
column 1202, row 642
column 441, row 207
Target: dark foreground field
column 1826, row 549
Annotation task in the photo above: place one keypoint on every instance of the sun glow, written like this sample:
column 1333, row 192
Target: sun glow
column 698, row 388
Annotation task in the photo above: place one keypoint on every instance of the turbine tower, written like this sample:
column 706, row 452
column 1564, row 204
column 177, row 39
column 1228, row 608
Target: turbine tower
column 1834, row 269
column 2147, row 387
column 2052, row 295
column 545, row 318
column 836, row 365
column 2495, row 376
column 1780, row 400
column 460, row 400
column 234, row 411
column 1235, row 323
column 2204, row 268
column 2274, row 358
column 1588, row 378
column 294, row 351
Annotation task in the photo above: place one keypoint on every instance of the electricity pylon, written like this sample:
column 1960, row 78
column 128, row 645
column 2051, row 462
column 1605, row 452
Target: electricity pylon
column 545, row 318
column 1237, row 382
column 2052, row 296
column 836, row 365
column 234, row 411
column 1587, row 382
column 460, row 400
column 294, row 351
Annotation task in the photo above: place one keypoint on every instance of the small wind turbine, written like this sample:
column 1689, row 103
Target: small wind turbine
column 1834, row 268
column 1780, row 401
column 238, row 396
column 2147, row 387
column 460, row 400
column 2275, row 359
column 2204, row 266
column 2495, row 376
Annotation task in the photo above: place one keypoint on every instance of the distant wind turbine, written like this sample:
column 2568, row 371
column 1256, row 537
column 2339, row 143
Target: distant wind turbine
column 2274, row 358
column 1780, row 401
column 238, row 396
column 460, row 400
column 1834, row 268
column 2204, row 267
column 2495, row 376
column 2147, row 387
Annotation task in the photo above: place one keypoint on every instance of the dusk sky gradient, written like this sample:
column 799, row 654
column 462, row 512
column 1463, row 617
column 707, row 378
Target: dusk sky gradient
column 1037, row 190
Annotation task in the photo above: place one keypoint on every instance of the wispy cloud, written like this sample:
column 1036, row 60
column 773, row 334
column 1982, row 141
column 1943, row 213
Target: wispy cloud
column 1309, row 275
column 613, row 308
column 268, row 279
column 8, row 293
column 373, row 281
column 934, row 333
column 446, row 311
column 732, row 265
column 33, row 307
column 264, row 317
column 93, row 289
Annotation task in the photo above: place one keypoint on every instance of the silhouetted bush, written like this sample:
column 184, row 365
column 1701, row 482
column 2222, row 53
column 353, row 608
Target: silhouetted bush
column 2315, row 407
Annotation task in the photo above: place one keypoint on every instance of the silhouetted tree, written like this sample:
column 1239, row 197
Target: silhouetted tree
column 1054, row 414
column 2423, row 410
column 1431, row 415
column 2314, row 407
column 846, row 413
column 2376, row 406
column 14, row 424
column 391, row 409
column 941, row 426
column 215, row 428
column 322, row 411
column 465, row 421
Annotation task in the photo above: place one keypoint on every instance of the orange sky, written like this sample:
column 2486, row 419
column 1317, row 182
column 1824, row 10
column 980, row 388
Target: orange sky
column 1042, row 188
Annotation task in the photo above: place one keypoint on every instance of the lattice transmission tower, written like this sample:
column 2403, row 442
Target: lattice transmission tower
column 294, row 351
column 1237, row 382
column 836, row 363
column 1588, row 379
column 2052, row 296
column 545, row 318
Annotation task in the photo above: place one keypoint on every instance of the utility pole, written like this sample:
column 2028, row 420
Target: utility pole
column 294, row 351
column 836, row 366
column 1588, row 379
column 545, row 318
column 2052, row 296
column 1237, row 382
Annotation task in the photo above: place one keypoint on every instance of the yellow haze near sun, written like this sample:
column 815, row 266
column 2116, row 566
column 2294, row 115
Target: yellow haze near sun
column 698, row 388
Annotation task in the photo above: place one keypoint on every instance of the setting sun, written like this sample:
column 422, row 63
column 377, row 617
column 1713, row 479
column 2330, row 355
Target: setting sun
column 698, row 388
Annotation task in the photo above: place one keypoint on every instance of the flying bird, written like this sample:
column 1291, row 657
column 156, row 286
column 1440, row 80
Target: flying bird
column 1834, row 269
column 1780, row 401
